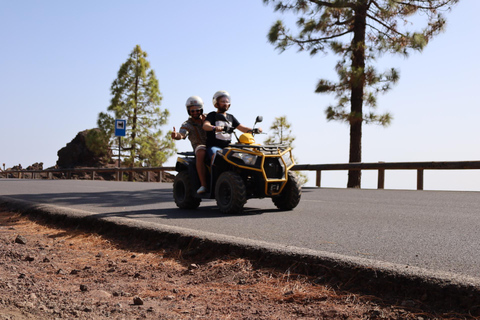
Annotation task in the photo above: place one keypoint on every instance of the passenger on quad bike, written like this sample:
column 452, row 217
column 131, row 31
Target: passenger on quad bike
column 217, row 138
column 197, row 136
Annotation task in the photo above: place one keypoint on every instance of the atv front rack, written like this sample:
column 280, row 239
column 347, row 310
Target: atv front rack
column 264, row 148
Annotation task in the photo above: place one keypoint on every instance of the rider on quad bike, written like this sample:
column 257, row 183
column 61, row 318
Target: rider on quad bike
column 237, row 172
column 217, row 137
column 193, row 129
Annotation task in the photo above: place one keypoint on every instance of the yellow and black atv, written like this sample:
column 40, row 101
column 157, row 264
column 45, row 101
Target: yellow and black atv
column 240, row 172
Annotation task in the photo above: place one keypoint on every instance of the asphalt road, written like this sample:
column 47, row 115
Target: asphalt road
column 433, row 230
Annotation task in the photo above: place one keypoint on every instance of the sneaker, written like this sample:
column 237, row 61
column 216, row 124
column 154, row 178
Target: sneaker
column 201, row 190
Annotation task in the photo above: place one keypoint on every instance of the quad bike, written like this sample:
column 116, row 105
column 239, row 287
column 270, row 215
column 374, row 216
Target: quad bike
column 242, row 171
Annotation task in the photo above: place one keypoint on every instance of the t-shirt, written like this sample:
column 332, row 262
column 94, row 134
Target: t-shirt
column 194, row 131
column 220, row 139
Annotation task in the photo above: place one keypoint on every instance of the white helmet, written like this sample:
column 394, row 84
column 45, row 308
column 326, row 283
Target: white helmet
column 219, row 94
column 194, row 101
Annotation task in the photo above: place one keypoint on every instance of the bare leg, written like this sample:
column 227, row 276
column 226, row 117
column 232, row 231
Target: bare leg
column 200, row 155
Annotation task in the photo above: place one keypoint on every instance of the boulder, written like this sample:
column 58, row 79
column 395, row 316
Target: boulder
column 77, row 154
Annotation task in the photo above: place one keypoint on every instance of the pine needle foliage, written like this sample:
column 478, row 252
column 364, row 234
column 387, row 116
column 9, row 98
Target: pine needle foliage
column 136, row 98
column 358, row 31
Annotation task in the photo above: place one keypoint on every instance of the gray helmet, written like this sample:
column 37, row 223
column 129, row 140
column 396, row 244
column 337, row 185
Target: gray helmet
column 194, row 101
column 219, row 94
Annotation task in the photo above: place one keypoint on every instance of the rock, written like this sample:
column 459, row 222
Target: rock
column 137, row 301
column 77, row 154
column 83, row 288
column 20, row 239
column 36, row 166
column 101, row 294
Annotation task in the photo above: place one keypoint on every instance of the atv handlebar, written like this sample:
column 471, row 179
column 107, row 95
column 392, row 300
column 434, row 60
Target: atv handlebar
column 229, row 129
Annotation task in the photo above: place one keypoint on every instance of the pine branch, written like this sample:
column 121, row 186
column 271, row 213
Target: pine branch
column 430, row 7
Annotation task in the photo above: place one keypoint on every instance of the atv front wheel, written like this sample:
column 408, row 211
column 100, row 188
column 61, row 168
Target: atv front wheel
column 230, row 193
column 183, row 192
column 291, row 194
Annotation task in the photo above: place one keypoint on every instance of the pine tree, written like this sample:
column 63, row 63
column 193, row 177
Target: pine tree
column 136, row 98
column 281, row 133
column 358, row 31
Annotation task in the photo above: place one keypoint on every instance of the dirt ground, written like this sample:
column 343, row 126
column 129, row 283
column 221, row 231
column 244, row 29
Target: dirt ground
column 52, row 273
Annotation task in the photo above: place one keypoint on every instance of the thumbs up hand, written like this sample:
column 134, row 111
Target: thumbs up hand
column 174, row 134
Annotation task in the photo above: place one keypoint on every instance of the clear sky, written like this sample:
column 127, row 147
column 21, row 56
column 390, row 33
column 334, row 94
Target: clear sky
column 59, row 59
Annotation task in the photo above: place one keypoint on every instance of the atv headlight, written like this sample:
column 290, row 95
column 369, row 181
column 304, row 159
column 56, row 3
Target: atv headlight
column 287, row 157
column 247, row 158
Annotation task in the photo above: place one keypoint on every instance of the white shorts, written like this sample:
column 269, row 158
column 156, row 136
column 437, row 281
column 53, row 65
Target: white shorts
column 200, row 147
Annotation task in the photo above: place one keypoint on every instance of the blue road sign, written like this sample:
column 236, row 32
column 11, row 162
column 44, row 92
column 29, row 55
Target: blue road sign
column 120, row 128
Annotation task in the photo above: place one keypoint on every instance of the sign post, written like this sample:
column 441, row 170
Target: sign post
column 120, row 131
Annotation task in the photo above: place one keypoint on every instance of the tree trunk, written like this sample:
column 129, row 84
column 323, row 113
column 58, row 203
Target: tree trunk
column 133, row 152
column 357, row 85
column 354, row 176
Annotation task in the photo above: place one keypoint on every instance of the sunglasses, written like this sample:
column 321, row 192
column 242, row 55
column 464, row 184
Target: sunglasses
column 196, row 110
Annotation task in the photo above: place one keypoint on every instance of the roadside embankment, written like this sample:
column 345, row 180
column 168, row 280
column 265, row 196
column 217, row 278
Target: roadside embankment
column 442, row 292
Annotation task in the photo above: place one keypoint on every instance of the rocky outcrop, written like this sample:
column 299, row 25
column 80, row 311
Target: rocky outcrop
column 77, row 154
column 36, row 166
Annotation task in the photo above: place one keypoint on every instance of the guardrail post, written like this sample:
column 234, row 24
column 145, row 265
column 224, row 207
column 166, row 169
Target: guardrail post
column 419, row 179
column 381, row 178
column 318, row 180
column 148, row 176
column 159, row 177
column 93, row 175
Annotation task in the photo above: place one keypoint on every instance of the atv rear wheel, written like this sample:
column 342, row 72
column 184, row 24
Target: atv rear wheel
column 291, row 194
column 183, row 192
column 230, row 193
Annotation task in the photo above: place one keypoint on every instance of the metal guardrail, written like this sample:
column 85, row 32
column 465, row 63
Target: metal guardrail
column 382, row 166
column 68, row 173
column 318, row 168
